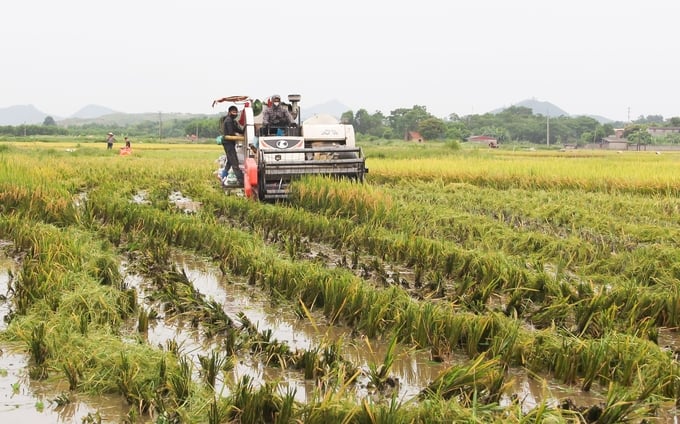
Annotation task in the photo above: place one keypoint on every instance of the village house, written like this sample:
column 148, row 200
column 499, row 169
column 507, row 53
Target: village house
column 483, row 140
column 615, row 142
column 414, row 136
column 663, row 131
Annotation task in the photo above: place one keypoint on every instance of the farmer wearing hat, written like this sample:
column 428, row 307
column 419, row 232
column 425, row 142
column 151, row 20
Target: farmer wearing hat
column 276, row 116
column 110, row 139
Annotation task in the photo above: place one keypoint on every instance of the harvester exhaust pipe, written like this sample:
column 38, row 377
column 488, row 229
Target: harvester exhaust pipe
column 294, row 99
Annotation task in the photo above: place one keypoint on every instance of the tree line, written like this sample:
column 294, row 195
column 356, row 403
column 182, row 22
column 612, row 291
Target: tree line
column 513, row 124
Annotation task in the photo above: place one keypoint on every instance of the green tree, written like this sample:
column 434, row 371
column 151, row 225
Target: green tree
column 368, row 124
column 204, row 128
column 431, row 128
column 49, row 121
column 457, row 130
column 637, row 133
column 453, row 117
column 404, row 120
column 347, row 118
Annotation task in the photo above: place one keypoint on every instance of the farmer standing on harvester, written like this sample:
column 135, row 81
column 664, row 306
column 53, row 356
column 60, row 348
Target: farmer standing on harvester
column 230, row 129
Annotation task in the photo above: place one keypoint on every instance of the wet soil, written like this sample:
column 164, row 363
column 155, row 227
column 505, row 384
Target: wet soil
column 38, row 402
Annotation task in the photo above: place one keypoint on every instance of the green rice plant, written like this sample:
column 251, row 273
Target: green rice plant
column 99, row 303
column 172, row 346
column 622, row 405
column 73, row 375
column 84, row 322
column 310, row 362
column 508, row 343
column 558, row 313
column 628, row 356
column 246, row 404
column 565, row 362
column 38, row 345
column 293, row 246
column 593, row 362
column 62, row 399
column 162, row 373
column 92, row 418
column 543, row 413
column 287, row 409
column 217, row 412
column 107, row 273
column 586, row 310
column 480, row 380
column 331, row 352
column 246, row 323
column 143, row 322
column 216, row 320
column 390, row 413
column 277, row 354
column 126, row 381
column 180, row 381
column 128, row 302
column 210, row 366
column 262, row 340
column 38, row 372
column 477, row 335
column 230, row 341
column 378, row 375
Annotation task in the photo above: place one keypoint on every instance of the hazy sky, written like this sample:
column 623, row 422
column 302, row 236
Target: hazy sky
column 617, row 59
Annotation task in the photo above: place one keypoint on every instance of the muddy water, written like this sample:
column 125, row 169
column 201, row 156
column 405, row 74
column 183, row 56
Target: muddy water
column 7, row 268
column 26, row 401
column 32, row 402
column 412, row 368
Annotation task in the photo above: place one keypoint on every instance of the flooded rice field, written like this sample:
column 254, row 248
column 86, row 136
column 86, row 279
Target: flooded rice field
column 412, row 370
column 25, row 400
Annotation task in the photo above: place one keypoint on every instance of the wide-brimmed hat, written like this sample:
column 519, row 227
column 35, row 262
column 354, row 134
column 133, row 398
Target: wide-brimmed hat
column 110, row 133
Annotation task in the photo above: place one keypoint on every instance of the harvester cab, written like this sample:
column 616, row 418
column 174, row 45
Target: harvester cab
column 271, row 158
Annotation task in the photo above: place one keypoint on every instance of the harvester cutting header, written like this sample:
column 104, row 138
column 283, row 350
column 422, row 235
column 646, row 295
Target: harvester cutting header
column 276, row 147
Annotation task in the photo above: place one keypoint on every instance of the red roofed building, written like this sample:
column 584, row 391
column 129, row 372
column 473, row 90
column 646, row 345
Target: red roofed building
column 414, row 136
column 483, row 139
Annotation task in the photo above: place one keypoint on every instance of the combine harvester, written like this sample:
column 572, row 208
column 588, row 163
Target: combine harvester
column 271, row 158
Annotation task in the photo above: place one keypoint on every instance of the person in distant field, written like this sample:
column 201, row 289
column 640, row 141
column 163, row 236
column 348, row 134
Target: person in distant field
column 276, row 116
column 127, row 143
column 110, row 139
column 231, row 127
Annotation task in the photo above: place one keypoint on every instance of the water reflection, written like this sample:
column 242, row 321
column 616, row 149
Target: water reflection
column 5, row 277
column 413, row 368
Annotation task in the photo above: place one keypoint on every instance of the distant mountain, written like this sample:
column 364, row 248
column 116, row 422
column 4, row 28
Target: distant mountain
column 549, row 109
column 22, row 114
column 92, row 111
column 123, row 119
column 601, row 119
column 538, row 108
column 333, row 107
column 30, row 115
